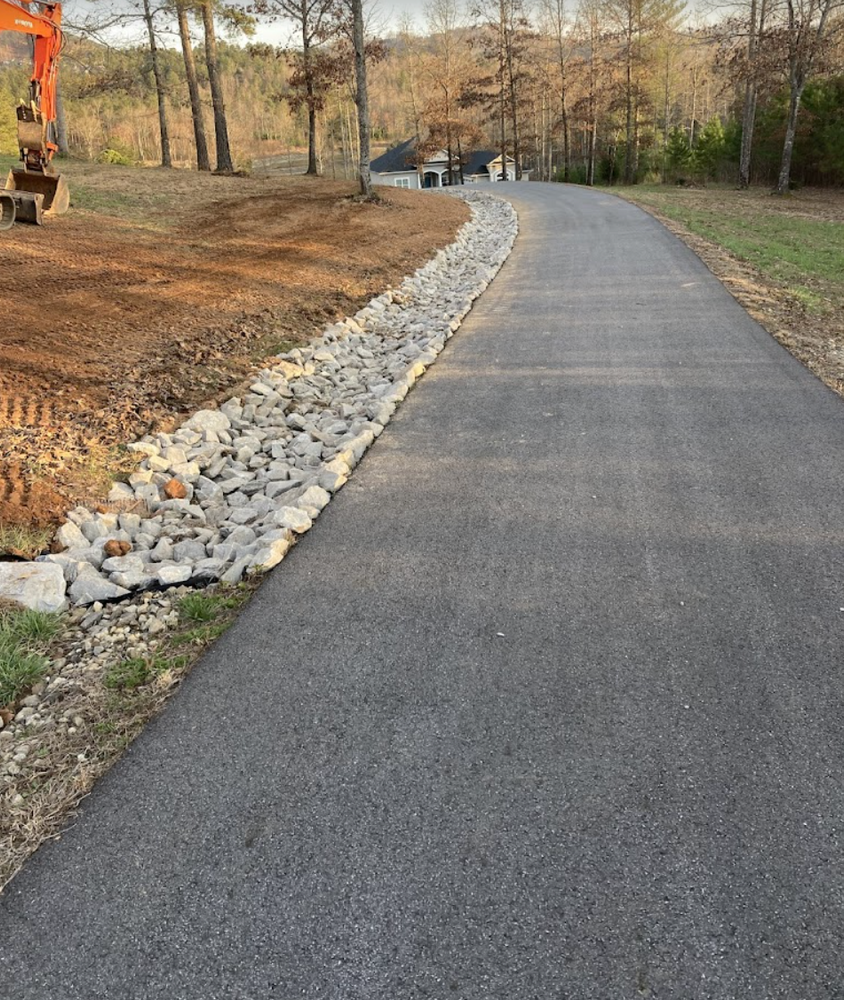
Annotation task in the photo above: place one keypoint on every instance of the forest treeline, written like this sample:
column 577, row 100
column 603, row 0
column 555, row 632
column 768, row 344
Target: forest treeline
column 589, row 91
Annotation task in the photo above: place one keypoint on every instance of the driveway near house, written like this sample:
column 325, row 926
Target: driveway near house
column 548, row 704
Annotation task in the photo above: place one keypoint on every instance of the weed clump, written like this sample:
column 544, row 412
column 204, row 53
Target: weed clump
column 23, row 636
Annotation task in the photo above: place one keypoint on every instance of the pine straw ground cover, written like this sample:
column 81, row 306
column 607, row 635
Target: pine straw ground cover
column 782, row 259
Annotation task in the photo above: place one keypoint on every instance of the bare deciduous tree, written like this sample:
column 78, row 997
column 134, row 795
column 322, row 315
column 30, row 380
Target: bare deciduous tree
column 361, row 97
column 316, row 23
column 806, row 30
column 160, row 90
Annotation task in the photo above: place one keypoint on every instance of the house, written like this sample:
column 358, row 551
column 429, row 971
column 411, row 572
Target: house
column 396, row 167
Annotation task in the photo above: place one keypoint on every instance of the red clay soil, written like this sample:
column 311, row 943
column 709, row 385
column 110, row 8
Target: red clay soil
column 116, row 320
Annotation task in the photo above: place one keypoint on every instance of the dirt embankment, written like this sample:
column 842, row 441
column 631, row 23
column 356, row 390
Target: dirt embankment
column 161, row 295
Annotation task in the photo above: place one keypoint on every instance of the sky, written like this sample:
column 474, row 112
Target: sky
column 385, row 16
column 388, row 14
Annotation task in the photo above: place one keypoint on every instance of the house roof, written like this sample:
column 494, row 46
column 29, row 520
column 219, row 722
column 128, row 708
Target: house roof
column 400, row 159
column 478, row 163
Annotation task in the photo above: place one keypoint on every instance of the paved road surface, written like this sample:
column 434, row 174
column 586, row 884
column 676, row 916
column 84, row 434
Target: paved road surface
column 547, row 707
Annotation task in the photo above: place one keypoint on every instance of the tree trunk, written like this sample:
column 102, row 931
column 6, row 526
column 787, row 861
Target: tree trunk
column 514, row 116
column 628, row 156
column 694, row 109
column 61, row 123
column 163, row 129
column 564, row 111
column 566, row 142
column 666, row 125
column 790, row 130
column 202, row 160
column 748, row 121
column 361, row 99
column 514, row 111
column 502, row 92
column 309, row 92
column 221, row 132
column 593, row 116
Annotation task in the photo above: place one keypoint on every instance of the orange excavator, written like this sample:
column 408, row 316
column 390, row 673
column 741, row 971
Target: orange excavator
column 35, row 189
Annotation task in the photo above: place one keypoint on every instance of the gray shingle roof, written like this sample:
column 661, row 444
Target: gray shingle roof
column 478, row 161
column 398, row 158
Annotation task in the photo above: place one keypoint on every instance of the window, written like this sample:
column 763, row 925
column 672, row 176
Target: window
column 402, row 182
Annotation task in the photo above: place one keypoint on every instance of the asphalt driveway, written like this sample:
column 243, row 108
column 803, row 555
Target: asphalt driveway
column 548, row 705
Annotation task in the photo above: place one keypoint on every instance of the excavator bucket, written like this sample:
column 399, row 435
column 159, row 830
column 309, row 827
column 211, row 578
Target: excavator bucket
column 29, row 207
column 53, row 189
column 7, row 211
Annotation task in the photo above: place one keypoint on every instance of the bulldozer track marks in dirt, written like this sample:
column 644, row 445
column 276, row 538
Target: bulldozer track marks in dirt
column 14, row 489
column 20, row 411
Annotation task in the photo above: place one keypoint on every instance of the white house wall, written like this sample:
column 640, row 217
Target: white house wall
column 391, row 179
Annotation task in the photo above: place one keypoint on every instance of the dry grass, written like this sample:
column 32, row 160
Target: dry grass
column 113, row 708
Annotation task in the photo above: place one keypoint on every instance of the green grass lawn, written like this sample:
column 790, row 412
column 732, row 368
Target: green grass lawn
column 798, row 242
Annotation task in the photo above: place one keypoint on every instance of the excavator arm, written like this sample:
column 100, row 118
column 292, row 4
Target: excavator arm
column 36, row 188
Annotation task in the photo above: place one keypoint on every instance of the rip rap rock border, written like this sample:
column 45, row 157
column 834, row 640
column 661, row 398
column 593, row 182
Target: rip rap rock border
column 229, row 491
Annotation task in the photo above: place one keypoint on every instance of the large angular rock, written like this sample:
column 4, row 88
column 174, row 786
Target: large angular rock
column 313, row 500
column 273, row 547
column 123, row 564
column 189, row 550
column 169, row 576
column 69, row 536
column 67, row 561
column 89, row 586
column 138, row 579
column 235, row 572
column 332, row 481
column 38, row 586
column 208, row 420
column 293, row 519
column 276, row 487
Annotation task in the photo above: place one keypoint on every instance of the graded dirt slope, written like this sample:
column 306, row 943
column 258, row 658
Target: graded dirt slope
column 158, row 292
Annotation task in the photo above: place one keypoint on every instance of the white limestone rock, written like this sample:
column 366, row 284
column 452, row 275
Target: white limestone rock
column 208, row 420
column 171, row 574
column 39, row 586
column 90, row 586
column 273, row 547
column 70, row 536
column 313, row 500
column 292, row 518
